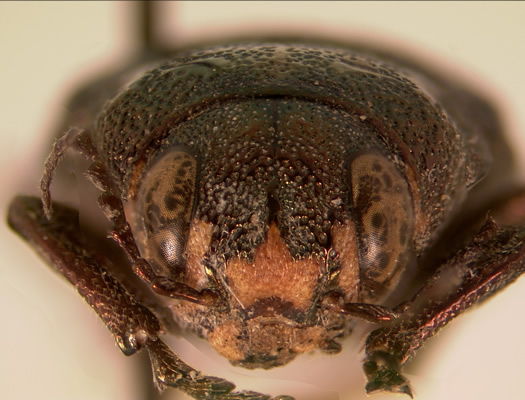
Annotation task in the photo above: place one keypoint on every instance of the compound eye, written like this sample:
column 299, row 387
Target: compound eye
column 163, row 211
column 384, row 217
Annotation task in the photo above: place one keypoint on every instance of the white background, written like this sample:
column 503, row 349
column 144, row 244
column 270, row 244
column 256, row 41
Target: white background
column 53, row 347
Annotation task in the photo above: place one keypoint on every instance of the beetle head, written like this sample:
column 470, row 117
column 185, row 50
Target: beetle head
column 266, row 192
column 274, row 271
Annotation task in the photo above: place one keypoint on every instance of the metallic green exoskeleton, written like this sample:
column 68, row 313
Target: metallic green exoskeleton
column 274, row 193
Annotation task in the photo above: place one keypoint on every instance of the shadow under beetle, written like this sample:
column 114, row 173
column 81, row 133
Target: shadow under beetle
column 268, row 194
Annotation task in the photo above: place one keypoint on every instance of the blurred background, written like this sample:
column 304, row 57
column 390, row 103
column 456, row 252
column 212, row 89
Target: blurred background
column 53, row 347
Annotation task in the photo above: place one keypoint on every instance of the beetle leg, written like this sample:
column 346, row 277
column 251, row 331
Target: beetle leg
column 171, row 371
column 494, row 258
column 60, row 242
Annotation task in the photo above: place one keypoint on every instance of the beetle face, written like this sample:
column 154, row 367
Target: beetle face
column 274, row 224
column 502, row 385
column 267, row 173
